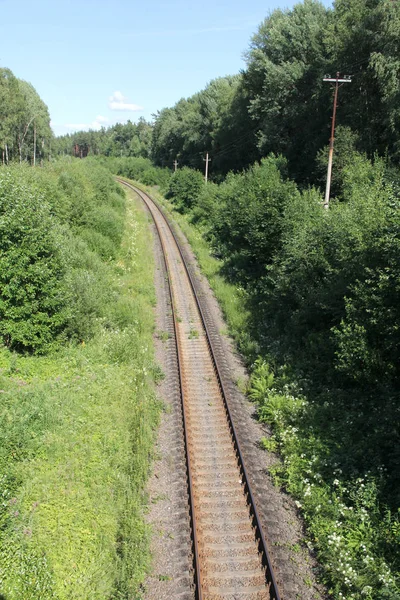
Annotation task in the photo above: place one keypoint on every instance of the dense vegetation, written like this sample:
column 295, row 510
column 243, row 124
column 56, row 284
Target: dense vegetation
column 318, row 294
column 129, row 139
column 78, row 408
column 280, row 104
column 139, row 169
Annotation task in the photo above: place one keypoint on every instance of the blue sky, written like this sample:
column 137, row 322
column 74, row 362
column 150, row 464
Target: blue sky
column 98, row 62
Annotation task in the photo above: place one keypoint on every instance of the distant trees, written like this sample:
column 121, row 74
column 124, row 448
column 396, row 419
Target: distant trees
column 213, row 120
column 25, row 130
column 129, row 139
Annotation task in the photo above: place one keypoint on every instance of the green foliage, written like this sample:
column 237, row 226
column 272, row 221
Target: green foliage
column 280, row 103
column 368, row 335
column 22, row 112
column 32, row 269
column 248, row 225
column 357, row 544
column 185, row 188
column 320, row 261
column 212, row 120
column 285, row 66
column 343, row 156
column 57, row 225
column 76, row 435
column 138, row 169
column 120, row 140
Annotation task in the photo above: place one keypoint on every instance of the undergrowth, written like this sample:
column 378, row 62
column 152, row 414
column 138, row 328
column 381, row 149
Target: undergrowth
column 77, row 419
column 355, row 536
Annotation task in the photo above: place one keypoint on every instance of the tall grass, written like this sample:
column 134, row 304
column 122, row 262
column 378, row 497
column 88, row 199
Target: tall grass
column 77, row 423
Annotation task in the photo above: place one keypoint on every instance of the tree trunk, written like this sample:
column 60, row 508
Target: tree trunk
column 6, row 154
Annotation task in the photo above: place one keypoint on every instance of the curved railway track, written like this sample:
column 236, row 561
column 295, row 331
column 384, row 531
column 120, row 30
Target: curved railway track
column 230, row 554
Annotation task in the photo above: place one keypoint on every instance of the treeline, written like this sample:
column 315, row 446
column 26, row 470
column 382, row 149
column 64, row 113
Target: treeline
column 129, row 139
column 140, row 169
column 25, row 132
column 280, row 103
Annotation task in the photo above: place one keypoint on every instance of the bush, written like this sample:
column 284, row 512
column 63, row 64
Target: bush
column 57, row 225
column 248, row 225
column 185, row 188
column 33, row 308
column 136, row 168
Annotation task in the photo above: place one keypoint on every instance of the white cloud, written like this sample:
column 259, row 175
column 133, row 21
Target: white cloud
column 98, row 123
column 118, row 102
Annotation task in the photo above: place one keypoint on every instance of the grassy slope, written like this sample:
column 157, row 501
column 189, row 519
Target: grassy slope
column 79, row 428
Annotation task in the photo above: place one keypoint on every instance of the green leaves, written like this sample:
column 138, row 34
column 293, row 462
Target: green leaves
column 22, row 112
column 56, row 226
column 185, row 188
column 32, row 307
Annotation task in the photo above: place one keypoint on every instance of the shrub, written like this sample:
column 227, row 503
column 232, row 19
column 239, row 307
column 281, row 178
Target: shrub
column 249, row 223
column 57, row 225
column 185, row 188
column 32, row 302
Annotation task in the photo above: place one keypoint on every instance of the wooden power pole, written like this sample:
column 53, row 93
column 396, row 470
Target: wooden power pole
column 207, row 160
column 175, row 165
column 336, row 81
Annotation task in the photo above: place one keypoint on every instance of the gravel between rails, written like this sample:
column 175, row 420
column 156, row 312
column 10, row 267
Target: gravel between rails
column 168, row 514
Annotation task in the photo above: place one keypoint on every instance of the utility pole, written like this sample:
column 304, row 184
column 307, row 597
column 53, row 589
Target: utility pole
column 336, row 81
column 175, row 165
column 207, row 160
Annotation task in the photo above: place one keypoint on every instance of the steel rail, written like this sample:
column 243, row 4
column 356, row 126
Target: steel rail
column 197, row 569
column 263, row 546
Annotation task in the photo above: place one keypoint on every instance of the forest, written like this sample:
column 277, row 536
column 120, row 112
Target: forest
column 311, row 295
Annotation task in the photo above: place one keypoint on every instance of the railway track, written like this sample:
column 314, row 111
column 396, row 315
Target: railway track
column 230, row 555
